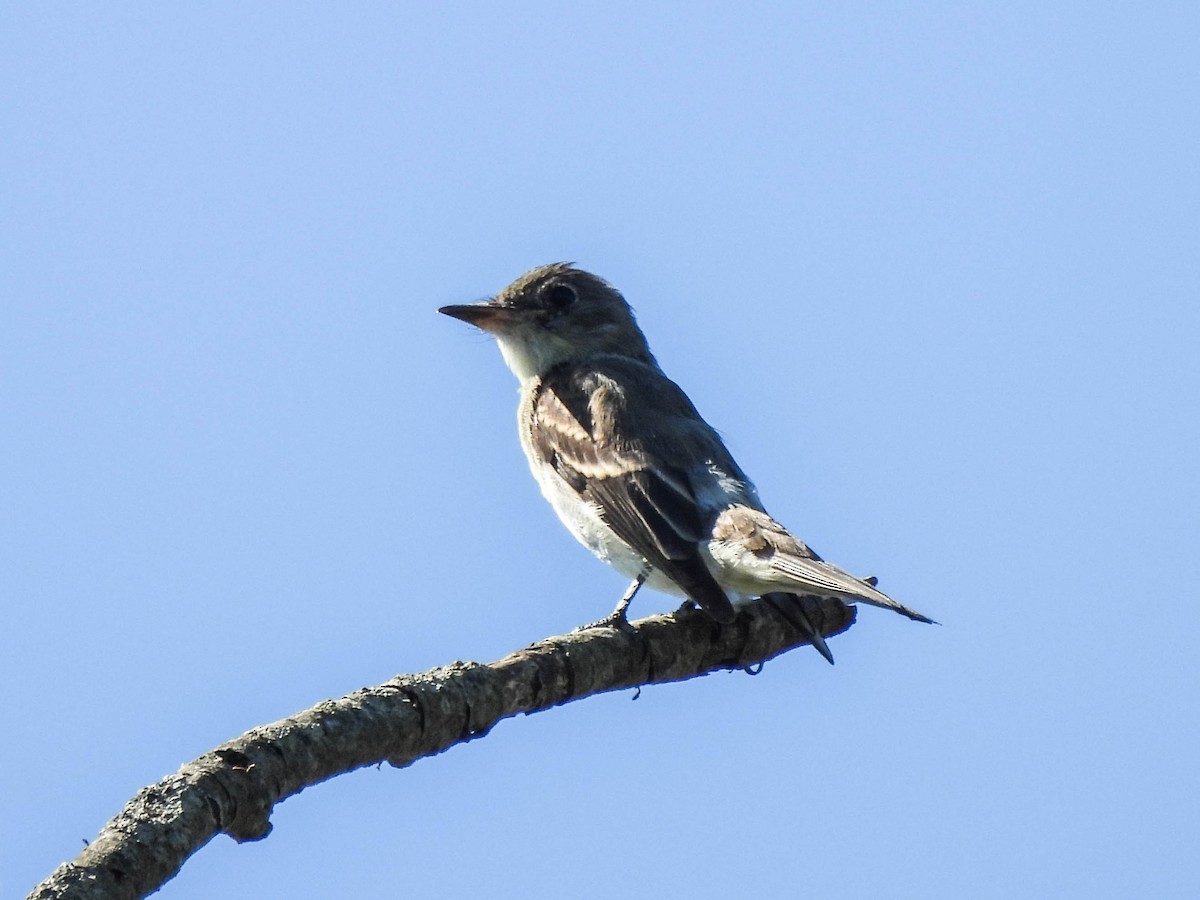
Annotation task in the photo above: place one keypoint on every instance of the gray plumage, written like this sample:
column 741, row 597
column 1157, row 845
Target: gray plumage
column 630, row 466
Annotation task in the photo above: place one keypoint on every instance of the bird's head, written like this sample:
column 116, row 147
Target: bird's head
column 555, row 314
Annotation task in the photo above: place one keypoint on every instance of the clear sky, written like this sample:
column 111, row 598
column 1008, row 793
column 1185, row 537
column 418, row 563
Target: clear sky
column 931, row 268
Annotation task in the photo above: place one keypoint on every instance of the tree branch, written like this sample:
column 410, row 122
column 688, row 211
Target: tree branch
column 234, row 788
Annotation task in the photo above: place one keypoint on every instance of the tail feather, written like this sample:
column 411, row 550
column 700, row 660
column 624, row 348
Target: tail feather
column 793, row 608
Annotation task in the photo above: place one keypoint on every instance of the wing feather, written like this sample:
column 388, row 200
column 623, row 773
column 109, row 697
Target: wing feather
column 586, row 425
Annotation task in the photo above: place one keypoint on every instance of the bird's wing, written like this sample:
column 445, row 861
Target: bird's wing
column 780, row 559
column 607, row 441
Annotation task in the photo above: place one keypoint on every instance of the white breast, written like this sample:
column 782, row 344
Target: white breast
column 581, row 518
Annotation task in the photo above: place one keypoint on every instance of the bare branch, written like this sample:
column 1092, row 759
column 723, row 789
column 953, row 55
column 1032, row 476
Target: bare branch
column 234, row 788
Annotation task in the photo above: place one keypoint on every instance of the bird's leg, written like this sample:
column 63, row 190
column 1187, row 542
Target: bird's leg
column 617, row 618
column 627, row 598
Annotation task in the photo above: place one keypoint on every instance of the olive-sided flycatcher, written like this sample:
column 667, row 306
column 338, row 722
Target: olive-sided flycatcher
column 629, row 465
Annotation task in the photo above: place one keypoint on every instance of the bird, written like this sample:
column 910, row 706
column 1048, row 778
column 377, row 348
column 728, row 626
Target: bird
column 630, row 466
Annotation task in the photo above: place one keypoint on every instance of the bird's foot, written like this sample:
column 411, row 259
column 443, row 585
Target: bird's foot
column 617, row 618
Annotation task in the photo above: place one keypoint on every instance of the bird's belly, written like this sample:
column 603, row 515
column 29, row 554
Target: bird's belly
column 583, row 520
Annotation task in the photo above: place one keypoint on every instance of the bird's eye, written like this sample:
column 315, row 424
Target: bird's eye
column 561, row 295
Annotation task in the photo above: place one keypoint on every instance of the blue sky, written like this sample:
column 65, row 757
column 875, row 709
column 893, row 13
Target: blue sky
column 930, row 268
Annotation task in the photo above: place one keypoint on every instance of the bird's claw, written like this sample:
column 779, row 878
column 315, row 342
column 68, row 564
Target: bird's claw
column 615, row 619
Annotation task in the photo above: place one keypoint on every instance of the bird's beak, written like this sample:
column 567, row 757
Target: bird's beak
column 488, row 315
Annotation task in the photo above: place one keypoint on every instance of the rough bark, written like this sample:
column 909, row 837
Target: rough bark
column 233, row 788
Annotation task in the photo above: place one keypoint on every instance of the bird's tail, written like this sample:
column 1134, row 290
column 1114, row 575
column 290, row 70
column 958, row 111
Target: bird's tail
column 814, row 617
